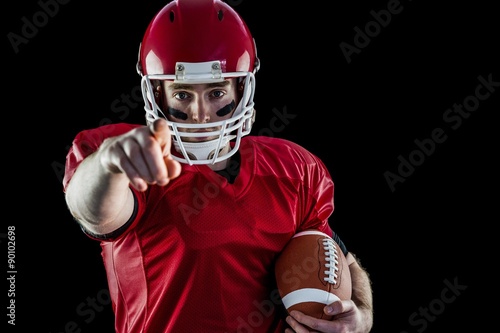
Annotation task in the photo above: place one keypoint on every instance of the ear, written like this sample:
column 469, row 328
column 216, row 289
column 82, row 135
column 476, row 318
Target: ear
column 157, row 90
column 158, row 94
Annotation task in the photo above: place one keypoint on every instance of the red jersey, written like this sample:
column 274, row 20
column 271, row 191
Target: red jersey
column 198, row 254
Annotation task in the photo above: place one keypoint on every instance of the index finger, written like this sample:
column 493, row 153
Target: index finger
column 160, row 131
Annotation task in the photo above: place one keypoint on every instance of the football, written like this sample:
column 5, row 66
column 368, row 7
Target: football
column 312, row 272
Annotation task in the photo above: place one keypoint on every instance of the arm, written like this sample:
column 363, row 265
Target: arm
column 355, row 315
column 99, row 196
column 362, row 294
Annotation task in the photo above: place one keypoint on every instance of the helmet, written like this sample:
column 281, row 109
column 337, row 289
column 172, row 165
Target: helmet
column 199, row 41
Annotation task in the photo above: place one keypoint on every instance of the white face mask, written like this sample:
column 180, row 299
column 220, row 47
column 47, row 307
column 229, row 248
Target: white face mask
column 233, row 128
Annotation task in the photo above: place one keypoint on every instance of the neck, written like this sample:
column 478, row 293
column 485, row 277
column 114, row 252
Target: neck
column 222, row 164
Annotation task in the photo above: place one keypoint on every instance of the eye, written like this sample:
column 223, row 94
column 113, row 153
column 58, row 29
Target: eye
column 181, row 95
column 218, row 93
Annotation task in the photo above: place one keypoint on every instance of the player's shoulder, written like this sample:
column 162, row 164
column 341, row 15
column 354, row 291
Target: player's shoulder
column 95, row 136
column 283, row 158
column 281, row 149
column 108, row 130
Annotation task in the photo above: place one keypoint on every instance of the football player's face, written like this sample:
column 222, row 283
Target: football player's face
column 199, row 103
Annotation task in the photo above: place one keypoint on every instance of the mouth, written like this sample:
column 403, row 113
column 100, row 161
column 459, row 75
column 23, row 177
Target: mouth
column 202, row 138
column 198, row 136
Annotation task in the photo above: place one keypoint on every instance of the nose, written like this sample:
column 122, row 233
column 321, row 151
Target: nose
column 199, row 111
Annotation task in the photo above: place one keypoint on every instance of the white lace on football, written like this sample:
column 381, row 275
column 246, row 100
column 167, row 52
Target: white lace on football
column 332, row 260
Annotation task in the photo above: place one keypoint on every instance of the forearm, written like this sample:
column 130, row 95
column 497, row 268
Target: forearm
column 361, row 292
column 99, row 199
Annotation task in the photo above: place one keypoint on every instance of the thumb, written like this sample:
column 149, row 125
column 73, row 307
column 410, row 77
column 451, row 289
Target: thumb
column 335, row 308
column 159, row 130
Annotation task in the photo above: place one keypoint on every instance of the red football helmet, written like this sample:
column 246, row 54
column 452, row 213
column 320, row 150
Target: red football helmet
column 200, row 41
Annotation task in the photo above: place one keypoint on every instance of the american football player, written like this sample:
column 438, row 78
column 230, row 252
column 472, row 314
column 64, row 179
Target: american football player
column 190, row 208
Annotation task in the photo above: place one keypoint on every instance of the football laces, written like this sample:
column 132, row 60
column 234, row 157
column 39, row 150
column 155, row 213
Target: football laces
column 332, row 263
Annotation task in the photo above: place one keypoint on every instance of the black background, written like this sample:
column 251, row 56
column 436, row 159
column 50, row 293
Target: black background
column 435, row 228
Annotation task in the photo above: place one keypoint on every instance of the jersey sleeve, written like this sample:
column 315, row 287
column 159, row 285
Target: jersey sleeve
column 317, row 203
column 87, row 142
column 320, row 196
